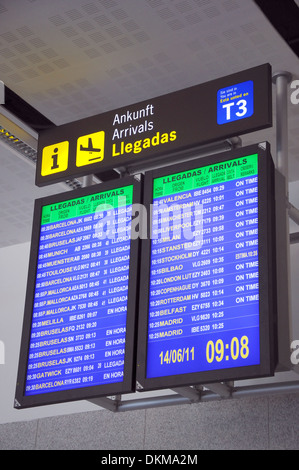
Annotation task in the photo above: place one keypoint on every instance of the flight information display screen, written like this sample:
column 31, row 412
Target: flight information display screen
column 79, row 323
column 207, row 269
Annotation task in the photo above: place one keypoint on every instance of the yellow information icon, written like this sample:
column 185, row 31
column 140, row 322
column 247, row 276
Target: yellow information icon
column 55, row 158
column 90, row 148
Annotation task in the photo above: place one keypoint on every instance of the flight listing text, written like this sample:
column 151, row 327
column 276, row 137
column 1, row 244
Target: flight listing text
column 79, row 317
column 204, row 294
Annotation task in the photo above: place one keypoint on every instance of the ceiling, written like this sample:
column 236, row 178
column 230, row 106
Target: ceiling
column 70, row 59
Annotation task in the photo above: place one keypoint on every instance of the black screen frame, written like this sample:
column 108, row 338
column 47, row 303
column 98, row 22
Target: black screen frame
column 82, row 393
column 267, row 277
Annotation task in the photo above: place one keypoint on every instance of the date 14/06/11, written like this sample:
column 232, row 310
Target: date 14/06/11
column 215, row 351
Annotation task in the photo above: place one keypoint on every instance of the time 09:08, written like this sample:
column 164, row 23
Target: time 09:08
column 220, row 351
column 215, row 351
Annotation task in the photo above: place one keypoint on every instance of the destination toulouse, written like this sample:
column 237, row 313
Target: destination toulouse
column 80, row 305
column 204, row 297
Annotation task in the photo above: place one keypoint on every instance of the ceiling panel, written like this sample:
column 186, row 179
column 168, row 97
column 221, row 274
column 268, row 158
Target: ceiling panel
column 72, row 59
column 17, row 194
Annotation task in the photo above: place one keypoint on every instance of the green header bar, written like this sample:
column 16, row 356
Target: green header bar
column 206, row 176
column 86, row 205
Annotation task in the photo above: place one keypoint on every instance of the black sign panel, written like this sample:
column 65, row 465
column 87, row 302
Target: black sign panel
column 78, row 336
column 142, row 132
column 208, row 304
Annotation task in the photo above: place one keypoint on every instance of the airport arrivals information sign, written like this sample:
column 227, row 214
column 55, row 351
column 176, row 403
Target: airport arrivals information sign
column 160, row 127
column 161, row 280
column 207, row 310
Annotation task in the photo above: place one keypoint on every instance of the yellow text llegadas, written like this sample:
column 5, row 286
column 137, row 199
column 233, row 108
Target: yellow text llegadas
column 136, row 147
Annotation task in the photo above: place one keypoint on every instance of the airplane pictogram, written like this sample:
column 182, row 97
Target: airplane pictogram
column 90, row 148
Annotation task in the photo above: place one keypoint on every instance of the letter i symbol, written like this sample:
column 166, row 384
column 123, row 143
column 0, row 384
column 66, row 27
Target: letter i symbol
column 55, row 158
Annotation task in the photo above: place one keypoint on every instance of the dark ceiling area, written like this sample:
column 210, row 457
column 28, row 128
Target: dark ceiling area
column 284, row 17
column 24, row 111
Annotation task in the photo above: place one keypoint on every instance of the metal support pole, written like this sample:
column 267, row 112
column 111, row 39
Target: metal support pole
column 183, row 156
column 154, row 402
column 190, row 393
column 87, row 180
column 282, row 79
column 205, row 396
column 235, row 142
column 105, row 402
column 222, row 389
